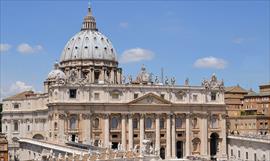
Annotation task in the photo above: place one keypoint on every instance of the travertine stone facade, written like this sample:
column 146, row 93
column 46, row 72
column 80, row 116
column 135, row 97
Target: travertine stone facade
column 88, row 100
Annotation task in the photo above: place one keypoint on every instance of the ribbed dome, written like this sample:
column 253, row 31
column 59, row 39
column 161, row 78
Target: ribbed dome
column 88, row 44
column 56, row 74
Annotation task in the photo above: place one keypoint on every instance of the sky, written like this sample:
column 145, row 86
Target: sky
column 188, row 39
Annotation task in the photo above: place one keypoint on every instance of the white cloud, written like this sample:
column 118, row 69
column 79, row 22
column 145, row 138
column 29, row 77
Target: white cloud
column 136, row 55
column 123, row 24
column 15, row 88
column 238, row 40
column 4, row 48
column 25, row 48
column 210, row 62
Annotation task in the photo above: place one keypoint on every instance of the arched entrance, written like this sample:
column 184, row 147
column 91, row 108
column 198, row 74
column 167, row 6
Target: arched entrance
column 213, row 145
column 162, row 153
column 179, row 149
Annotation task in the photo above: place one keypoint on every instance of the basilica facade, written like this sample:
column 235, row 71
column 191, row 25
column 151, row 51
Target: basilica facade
column 88, row 100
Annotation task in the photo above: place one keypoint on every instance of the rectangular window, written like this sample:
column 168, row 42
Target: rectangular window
column 15, row 105
column 239, row 155
column 72, row 93
column 115, row 96
column 195, row 98
column 231, row 152
column 255, row 157
column 16, row 126
column 213, row 96
column 246, row 155
column 96, row 96
column 135, row 95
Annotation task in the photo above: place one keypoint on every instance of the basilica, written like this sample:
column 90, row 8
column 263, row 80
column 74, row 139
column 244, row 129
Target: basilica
column 88, row 101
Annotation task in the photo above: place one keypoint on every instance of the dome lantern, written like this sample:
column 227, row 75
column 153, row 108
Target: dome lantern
column 89, row 22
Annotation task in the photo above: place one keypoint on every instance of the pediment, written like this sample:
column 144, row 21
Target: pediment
column 150, row 98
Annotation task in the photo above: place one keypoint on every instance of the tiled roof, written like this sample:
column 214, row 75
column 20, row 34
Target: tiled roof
column 20, row 96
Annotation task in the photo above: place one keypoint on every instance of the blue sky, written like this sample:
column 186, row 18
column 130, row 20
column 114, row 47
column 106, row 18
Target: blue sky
column 189, row 39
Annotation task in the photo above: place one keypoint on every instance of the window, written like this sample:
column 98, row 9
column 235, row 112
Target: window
column 161, row 125
column 255, row 157
column 16, row 126
column 135, row 123
column 114, row 123
column 178, row 123
column 96, row 123
column 162, row 95
column 55, row 125
column 96, row 96
column 239, row 155
column 246, row 155
column 114, row 136
column 72, row 123
column 213, row 96
column 15, row 105
column 72, row 93
column 28, row 128
column 115, row 96
column 194, row 122
column 195, row 97
column 136, row 95
column 135, row 135
column 231, row 152
column 148, row 123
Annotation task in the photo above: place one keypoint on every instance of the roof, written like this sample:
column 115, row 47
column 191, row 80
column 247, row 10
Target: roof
column 20, row 96
column 235, row 89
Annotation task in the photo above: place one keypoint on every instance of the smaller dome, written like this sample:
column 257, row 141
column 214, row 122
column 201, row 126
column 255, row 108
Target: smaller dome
column 56, row 74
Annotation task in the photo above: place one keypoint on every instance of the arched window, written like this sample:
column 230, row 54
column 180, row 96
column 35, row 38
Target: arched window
column 96, row 123
column 114, row 123
column 148, row 123
column 72, row 123
column 16, row 126
column 162, row 123
column 178, row 123
column 135, row 123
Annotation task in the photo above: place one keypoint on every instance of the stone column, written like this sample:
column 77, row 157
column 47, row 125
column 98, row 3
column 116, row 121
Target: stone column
column 157, row 144
column 222, row 126
column 86, row 130
column 188, row 135
column 90, row 127
column 106, row 130
column 61, row 128
column 168, row 137
column 173, row 137
column 204, row 135
column 124, row 140
column 141, row 131
column 130, row 132
column 92, row 75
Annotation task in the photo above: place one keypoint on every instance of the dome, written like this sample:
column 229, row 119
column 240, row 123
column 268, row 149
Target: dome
column 56, row 74
column 88, row 44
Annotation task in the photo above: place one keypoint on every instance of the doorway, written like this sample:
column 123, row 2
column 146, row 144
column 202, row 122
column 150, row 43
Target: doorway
column 179, row 149
column 162, row 153
column 114, row 145
column 213, row 145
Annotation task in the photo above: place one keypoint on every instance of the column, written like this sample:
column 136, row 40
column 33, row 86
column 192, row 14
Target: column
column 92, row 75
column 204, row 135
column 86, row 134
column 141, row 131
column 173, row 137
column 124, row 140
column 61, row 126
column 168, row 137
column 130, row 132
column 187, row 135
column 106, row 130
column 90, row 127
column 157, row 144
column 223, row 135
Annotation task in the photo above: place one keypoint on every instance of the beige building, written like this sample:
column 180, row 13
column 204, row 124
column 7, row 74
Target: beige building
column 88, row 100
column 248, row 111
